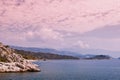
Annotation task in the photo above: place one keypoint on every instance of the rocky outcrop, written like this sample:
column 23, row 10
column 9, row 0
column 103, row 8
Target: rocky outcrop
column 12, row 62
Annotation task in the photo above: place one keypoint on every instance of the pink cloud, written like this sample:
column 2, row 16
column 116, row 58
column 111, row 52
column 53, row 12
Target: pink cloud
column 78, row 16
column 43, row 19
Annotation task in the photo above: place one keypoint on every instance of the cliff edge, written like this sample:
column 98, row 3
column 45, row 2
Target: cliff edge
column 12, row 62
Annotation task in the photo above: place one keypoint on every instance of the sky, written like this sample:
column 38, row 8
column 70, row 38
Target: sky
column 61, row 24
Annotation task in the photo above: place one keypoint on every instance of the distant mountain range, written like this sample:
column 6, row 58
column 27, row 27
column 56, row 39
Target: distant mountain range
column 114, row 54
column 81, row 53
column 43, row 56
column 54, row 51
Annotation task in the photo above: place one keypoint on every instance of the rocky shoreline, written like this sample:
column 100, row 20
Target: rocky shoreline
column 18, row 67
column 12, row 62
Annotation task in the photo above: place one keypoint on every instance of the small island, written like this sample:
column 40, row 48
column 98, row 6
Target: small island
column 98, row 57
column 10, row 61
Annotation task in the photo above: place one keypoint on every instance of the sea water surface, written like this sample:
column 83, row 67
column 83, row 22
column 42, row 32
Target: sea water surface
column 70, row 70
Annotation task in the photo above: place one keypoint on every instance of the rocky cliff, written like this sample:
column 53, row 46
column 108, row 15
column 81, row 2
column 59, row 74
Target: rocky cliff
column 12, row 62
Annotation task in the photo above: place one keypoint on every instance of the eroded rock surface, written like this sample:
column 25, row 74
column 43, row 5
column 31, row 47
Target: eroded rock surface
column 12, row 62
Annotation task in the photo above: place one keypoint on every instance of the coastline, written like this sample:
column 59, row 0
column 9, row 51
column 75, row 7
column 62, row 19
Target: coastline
column 32, row 60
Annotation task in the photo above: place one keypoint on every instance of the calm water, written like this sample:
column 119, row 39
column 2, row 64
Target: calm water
column 71, row 70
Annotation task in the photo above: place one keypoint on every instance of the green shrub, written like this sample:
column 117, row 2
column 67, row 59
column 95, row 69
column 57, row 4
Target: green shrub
column 2, row 59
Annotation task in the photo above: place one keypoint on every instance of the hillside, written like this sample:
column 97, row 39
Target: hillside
column 42, row 55
column 54, row 51
column 81, row 53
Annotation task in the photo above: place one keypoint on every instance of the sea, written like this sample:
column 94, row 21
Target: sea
column 70, row 70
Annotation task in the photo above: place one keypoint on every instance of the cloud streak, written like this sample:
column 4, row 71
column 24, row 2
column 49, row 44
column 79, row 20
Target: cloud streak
column 63, row 14
column 55, row 22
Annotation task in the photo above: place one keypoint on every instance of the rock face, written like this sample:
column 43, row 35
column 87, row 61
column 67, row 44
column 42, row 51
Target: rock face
column 12, row 62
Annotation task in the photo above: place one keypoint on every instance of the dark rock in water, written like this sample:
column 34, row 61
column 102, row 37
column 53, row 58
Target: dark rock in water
column 12, row 62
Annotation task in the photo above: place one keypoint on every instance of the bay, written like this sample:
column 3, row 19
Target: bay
column 70, row 70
